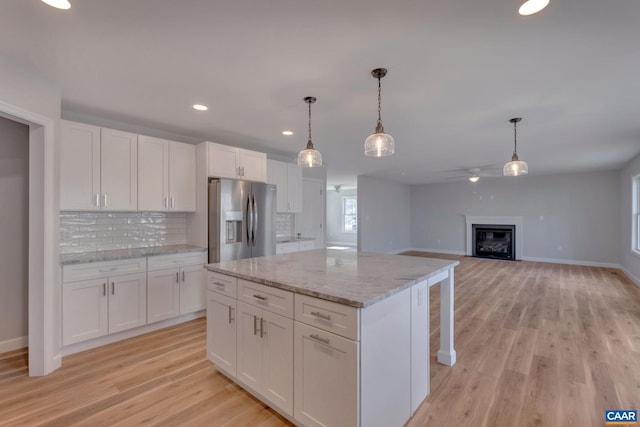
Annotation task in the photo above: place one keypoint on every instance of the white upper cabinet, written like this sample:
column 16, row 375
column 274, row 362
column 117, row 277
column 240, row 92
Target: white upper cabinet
column 236, row 163
column 98, row 168
column 288, row 179
column 166, row 175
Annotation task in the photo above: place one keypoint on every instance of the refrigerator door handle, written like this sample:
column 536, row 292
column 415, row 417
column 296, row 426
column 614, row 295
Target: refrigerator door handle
column 249, row 221
column 255, row 219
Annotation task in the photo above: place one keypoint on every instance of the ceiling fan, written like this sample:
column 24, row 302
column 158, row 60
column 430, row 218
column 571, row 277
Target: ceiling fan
column 474, row 174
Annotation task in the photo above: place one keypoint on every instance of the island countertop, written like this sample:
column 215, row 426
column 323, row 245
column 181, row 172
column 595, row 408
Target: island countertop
column 357, row 279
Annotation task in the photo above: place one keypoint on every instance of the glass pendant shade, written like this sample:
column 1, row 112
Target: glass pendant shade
column 379, row 145
column 515, row 167
column 532, row 6
column 310, row 157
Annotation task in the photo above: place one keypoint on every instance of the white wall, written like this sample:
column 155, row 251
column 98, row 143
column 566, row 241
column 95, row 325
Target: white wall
column 629, row 260
column 334, row 218
column 14, row 229
column 383, row 215
column 566, row 217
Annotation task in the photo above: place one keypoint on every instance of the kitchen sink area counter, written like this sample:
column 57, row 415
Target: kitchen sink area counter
column 118, row 254
column 329, row 337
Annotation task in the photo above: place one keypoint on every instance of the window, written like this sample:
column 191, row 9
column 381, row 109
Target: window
column 635, row 205
column 349, row 214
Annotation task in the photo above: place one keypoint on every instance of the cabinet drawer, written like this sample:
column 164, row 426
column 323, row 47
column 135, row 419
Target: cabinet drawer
column 329, row 316
column 94, row 270
column 286, row 248
column 307, row 245
column 221, row 283
column 273, row 299
column 160, row 262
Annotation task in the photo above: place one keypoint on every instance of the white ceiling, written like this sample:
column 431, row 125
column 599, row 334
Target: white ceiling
column 458, row 70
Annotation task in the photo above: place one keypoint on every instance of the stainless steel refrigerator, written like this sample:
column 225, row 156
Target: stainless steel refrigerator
column 241, row 219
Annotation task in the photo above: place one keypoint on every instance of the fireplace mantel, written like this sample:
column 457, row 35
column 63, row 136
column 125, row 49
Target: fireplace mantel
column 494, row 220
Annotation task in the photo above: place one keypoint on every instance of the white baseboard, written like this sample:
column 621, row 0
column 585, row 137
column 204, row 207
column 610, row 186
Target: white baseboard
column 397, row 252
column 14, row 344
column 573, row 262
column 631, row 277
column 349, row 244
column 108, row 339
column 438, row 251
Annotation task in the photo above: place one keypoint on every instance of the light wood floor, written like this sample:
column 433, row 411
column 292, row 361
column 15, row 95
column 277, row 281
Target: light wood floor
column 537, row 344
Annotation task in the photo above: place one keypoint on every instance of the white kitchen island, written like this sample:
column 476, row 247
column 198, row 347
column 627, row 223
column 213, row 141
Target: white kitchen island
column 330, row 338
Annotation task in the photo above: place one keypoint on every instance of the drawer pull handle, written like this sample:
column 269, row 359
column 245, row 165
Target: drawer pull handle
column 261, row 327
column 319, row 339
column 321, row 316
column 104, row 270
column 222, row 285
column 255, row 325
column 260, row 297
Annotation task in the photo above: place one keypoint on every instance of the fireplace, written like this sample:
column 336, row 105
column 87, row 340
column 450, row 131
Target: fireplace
column 496, row 241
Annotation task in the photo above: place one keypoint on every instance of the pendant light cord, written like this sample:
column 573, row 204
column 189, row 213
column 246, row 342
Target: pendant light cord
column 309, row 121
column 515, row 139
column 379, row 101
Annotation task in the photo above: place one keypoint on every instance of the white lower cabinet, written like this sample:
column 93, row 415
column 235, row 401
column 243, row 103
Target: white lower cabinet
column 326, row 378
column 265, row 354
column 98, row 304
column 221, row 332
column 176, row 290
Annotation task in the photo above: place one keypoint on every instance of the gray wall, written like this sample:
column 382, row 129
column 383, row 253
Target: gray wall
column 630, row 260
column 334, row 218
column 14, row 229
column 383, row 215
column 565, row 217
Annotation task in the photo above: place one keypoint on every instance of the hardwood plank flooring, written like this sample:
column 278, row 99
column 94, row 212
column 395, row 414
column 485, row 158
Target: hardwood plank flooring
column 538, row 344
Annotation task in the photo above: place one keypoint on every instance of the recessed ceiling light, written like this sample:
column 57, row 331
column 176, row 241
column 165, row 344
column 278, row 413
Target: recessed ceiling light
column 532, row 6
column 287, row 132
column 58, row 4
column 200, row 107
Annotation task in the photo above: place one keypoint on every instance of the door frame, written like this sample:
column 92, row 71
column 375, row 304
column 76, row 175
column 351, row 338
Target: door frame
column 324, row 210
column 44, row 265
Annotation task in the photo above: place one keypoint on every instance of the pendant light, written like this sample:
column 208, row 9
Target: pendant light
column 309, row 157
column 379, row 144
column 530, row 7
column 516, row 166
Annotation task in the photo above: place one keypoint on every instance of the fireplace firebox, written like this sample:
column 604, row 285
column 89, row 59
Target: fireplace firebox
column 494, row 241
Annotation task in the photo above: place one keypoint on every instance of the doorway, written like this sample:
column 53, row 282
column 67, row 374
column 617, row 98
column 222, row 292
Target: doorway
column 313, row 216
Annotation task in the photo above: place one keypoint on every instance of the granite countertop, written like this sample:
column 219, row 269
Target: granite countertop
column 113, row 255
column 357, row 279
column 287, row 239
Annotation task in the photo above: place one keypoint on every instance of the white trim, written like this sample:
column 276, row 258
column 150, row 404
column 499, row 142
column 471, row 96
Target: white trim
column 14, row 344
column 494, row 220
column 336, row 243
column 44, row 267
column 631, row 277
column 438, row 251
column 398, row 252
column 574, row 262
column 108, row 339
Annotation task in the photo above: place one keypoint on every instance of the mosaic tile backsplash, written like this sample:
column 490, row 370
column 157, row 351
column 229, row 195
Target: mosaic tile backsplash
column 285, row 224
column 100, row 231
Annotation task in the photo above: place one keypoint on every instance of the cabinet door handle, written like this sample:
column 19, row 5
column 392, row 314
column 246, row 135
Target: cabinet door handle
column 242, row 171
column 177, row 277
column 230, row 318
column 104, row 197
column 104, row 289
column 103, row 270
column 166, row 202
column 260, row 297
column 321, row 315
column 220, row 285
column 261, row 327
column 255, row 325
column 172, row 202
column 183, row 276
column 319, row 339
column 113, row 288
column 97, row 200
